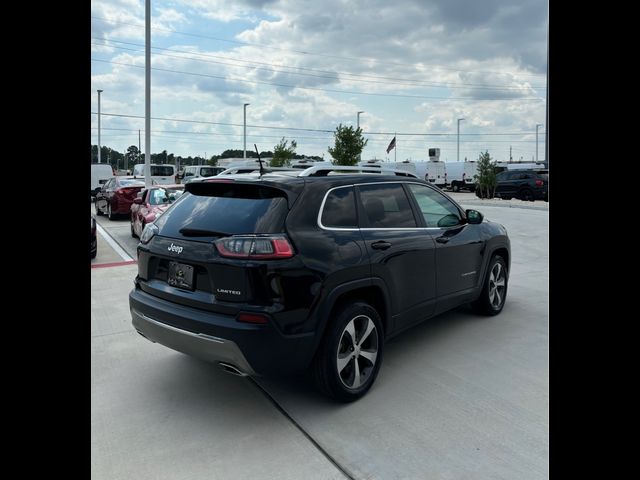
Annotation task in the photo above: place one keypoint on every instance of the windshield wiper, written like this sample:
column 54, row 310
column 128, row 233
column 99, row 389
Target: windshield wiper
column 197, row 232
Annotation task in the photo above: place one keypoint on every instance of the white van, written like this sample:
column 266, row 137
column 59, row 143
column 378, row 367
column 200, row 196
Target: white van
column 461, row 175
column 160, row 174
column 100, row 174
column 199, row 171
column 433, row 172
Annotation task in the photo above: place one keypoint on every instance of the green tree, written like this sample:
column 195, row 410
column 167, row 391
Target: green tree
column 132, row 157
column 349, row 143
column 282, row 154
column 486, row 176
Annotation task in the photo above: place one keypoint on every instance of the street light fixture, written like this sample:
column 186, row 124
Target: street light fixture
column 99, row 145
column 458, row 155
column 245, row 131
column 537, row 125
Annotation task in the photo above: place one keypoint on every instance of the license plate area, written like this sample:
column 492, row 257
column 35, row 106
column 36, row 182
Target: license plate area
column 180, row 275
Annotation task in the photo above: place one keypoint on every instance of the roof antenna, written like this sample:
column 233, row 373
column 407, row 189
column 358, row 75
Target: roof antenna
column 259, row 161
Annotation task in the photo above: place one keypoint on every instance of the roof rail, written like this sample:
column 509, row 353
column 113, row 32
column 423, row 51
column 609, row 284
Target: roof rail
column 248, row 169
column 322, row 171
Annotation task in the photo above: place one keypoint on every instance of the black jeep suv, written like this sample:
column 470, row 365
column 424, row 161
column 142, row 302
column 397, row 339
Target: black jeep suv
column 280, row 273
column 526, row 185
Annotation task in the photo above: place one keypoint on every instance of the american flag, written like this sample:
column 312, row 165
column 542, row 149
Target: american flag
column 392, row 145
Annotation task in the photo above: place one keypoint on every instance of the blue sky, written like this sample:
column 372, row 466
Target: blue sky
column 412, row 66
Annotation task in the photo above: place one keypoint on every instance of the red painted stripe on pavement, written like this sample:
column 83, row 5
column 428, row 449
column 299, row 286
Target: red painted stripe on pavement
column 114, row 264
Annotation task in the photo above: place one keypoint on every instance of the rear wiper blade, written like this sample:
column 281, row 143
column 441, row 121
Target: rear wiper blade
column 197, row 232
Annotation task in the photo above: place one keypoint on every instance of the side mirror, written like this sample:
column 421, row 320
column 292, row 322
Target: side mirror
column 474, row 217
column 137, row 201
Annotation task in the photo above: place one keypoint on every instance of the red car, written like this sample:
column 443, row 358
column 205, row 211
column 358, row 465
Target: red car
column 151, row 203
column 116, row 196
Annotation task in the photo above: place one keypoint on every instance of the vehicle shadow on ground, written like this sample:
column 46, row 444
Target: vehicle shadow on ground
column 413, row 342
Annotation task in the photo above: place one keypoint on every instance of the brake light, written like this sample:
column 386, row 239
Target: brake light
column 268, row 247
column 539, row 183
column 251, row 318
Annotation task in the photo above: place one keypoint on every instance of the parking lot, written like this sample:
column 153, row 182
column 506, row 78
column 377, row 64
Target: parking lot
column 458, row 397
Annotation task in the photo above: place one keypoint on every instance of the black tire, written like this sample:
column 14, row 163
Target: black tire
column 337, row 342
column 133, row 233
column 455, row 187
column 98, row 211
column 486, row 303
column 110, row 214
column 526, row 194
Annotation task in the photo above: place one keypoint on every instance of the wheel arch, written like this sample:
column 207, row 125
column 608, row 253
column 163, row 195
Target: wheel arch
column 371, row 290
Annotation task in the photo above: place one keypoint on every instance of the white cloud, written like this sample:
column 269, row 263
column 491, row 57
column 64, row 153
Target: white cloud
column 408, row 47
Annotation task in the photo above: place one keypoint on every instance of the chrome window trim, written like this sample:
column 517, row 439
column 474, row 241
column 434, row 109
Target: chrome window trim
column 356, row 229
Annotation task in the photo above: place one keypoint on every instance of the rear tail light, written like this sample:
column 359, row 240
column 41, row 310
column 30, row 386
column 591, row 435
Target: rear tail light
column 263, row 247
column 252, row 318
column 128, row 191
column 539, row 183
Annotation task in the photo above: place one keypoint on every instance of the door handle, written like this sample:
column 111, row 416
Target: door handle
column 442, row 239
column 380, row 245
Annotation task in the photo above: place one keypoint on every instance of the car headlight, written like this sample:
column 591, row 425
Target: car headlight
column 148, row 233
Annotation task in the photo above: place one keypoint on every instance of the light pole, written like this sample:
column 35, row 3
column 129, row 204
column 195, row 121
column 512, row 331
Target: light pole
column 244, row 156
column 357, row 127
column 458, row 155
column 99, row 156
column 537, row 125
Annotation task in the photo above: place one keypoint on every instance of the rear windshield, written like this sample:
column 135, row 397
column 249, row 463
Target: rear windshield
column 162, row 196
column 225, row 208
column 161, row 171
column 130, row 182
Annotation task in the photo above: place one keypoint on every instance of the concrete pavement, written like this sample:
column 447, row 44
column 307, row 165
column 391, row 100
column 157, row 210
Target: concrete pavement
column 458, row 397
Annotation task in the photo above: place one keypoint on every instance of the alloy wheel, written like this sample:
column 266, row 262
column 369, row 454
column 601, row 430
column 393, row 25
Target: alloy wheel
column 357, row 352
column 497, row 285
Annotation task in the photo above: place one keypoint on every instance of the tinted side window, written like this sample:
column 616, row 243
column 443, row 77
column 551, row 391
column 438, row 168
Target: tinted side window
column 437, row 210
column 386, row 206
column 340, row 209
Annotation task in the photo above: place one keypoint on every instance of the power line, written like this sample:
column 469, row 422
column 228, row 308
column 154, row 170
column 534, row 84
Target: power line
column 299, row 129
column 330, row 74
column 395, row 95
column 360, row 59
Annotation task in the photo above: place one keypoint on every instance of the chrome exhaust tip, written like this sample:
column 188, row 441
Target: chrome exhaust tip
column 232, row 369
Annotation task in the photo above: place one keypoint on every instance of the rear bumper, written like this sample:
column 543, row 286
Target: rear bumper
column 214, row 337
column 206, row 347
column 121, row 207
column 540, row 194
